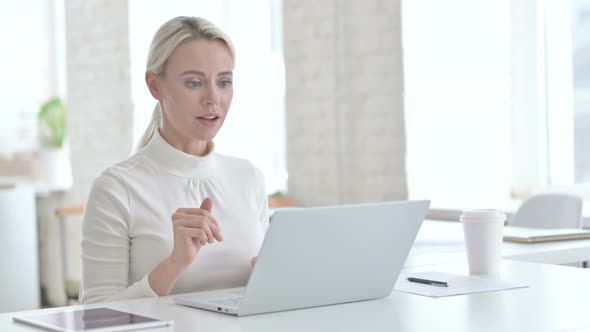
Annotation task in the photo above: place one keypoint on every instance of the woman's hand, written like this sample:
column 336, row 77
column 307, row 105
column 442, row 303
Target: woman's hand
column 253, row 261
column 193, row 228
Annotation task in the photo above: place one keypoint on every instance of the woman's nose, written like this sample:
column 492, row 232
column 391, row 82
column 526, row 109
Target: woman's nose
column 212, row 97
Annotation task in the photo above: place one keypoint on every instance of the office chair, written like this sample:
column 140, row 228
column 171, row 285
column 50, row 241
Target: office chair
column 549, row 211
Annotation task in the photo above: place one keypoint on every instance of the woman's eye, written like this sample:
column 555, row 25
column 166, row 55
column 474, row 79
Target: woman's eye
column 225, row 83
column 194, row 84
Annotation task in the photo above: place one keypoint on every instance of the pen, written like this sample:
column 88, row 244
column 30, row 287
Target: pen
column 429, row 282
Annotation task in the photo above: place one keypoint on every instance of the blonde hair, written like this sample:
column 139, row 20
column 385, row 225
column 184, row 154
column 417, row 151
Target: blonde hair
column 167, row 38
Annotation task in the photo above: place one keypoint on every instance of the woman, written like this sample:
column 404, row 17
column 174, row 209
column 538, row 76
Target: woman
column 176, row 216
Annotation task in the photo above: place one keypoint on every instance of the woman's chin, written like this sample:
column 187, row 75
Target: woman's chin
column 208, row 135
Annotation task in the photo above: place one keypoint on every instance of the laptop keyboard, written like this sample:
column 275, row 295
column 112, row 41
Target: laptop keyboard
column 240, row 291
column 230, row 302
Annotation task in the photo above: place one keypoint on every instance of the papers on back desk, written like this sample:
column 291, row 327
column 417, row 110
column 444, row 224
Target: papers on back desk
column 457, row 284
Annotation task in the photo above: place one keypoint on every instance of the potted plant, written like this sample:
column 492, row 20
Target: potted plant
column 55, row 165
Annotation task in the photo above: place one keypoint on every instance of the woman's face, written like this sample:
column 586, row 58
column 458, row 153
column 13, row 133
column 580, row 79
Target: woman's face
column 196, row 90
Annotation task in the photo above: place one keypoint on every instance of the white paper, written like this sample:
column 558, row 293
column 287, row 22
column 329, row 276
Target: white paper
column 457, row 284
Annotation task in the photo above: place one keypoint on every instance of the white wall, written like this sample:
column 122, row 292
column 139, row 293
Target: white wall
column 345, row 114
column 99, row 88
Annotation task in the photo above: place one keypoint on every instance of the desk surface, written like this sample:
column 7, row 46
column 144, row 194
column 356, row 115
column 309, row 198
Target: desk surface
column 442, row 242
column 556, row 301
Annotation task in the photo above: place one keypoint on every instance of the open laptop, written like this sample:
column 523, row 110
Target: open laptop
column 323, row 255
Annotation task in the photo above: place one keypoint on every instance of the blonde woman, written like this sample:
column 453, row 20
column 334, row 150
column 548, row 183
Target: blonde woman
column 176, row 216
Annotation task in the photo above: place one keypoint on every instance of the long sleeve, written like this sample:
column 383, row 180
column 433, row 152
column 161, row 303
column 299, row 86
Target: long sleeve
column 105, row 244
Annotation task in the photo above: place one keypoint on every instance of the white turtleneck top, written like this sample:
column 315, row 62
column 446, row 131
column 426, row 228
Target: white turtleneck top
column 127, row 224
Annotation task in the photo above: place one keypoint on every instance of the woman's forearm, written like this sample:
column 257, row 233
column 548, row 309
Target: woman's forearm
column 164, row 276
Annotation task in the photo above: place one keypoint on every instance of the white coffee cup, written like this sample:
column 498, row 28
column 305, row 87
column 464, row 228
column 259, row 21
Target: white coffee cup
column 483, row 230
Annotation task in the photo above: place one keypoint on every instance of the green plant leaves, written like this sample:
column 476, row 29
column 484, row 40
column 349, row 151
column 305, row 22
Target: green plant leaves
column 52, row 118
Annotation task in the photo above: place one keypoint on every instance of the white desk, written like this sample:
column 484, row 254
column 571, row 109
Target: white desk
column 442, row 242
column 557, row 300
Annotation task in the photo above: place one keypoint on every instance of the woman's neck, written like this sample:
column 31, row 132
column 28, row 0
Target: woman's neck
column 193, row 147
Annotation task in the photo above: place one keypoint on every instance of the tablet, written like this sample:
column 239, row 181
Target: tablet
column 94, row 320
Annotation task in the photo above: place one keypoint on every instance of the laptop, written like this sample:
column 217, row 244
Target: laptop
column 320, row 256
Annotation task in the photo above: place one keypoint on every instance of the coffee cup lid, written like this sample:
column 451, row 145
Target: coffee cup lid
column 483, row 214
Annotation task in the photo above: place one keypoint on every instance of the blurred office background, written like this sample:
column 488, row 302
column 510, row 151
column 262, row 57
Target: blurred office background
column 467, row 103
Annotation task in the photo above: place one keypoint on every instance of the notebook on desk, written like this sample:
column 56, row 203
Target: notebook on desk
column 536, row 235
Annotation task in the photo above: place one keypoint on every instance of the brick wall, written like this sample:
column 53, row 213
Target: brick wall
column 344, row 101
column 99, row 88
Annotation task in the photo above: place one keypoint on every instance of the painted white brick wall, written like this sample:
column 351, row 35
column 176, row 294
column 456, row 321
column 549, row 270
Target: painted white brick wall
column 99, row 88
column 100, row 119
column 345, row 114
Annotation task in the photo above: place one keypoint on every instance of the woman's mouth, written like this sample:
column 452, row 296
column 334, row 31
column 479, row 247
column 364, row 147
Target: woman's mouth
column 209, row 120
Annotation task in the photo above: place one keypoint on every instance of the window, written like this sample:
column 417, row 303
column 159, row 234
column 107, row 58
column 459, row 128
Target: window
column 561, row 75
column 581, row 87
column 28, row 82
column 255, row 128
column 497, row 100
column 457, row 101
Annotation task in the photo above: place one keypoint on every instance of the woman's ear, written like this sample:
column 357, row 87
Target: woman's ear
column 152, row 83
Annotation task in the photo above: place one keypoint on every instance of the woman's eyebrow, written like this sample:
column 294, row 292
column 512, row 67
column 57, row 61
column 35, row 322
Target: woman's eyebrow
column 192, row 72
column 200, row 73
